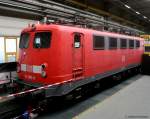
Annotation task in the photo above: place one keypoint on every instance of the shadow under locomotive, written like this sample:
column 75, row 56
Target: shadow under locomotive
column 62, row 108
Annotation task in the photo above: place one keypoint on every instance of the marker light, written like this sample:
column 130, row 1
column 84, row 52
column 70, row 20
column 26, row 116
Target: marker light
column 43, row 72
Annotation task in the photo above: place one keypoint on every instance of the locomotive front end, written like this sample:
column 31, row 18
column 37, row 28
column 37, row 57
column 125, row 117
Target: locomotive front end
column 34, row 56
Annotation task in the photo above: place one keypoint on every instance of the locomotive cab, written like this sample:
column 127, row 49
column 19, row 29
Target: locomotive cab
column 36, row 54
column 50, row 54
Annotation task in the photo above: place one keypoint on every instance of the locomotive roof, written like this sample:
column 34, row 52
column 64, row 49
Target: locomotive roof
column 40, row 27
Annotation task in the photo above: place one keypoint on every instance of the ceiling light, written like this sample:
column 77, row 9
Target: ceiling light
column 137, row 12
column 127, row 6
column 144, row 17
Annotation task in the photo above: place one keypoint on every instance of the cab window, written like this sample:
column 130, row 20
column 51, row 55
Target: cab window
column 42, row 40
column 24, row 40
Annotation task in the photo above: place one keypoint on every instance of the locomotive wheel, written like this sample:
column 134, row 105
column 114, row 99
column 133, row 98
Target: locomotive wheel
column 97, row 85
column 117, row 77
column 124, row 75
column 69, row 97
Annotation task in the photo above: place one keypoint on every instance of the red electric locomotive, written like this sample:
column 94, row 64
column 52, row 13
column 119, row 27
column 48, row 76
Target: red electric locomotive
column 67, row 57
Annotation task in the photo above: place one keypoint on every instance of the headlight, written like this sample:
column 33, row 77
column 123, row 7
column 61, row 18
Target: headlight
column 43, row 74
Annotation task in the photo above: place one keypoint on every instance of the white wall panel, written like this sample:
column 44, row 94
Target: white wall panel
column 10, row 26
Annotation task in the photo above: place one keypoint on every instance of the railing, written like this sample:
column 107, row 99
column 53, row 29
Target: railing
column 7, row 68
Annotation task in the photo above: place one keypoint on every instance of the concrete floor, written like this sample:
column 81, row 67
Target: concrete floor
column 131, row 102
column 127, row 100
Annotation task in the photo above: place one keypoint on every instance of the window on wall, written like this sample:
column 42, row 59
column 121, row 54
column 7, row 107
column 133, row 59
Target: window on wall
column 2, row 51
column 137, row 44
column 18, row 40
column 131, row 44
column 98, row 42
column 113, row 43
column 123, row 43
column 11, row 44
column 9, row 49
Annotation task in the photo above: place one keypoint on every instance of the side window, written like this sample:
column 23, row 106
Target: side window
column 137, row 43
column 98, row 42
column 123, row 43
column 131, row 44
column 113, row 43
column 77, row 41
column 42, row 40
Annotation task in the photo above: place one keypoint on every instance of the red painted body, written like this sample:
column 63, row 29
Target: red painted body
column 64, row 62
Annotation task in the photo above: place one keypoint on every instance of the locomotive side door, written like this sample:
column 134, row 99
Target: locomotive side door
column 77, row 60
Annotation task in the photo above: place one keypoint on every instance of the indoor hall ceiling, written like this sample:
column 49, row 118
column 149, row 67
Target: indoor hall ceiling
column 111, row 10
column 116, row 10
column 143, row 6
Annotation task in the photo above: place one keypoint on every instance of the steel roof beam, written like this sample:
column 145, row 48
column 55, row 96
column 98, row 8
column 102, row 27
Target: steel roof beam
column 47, row 7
